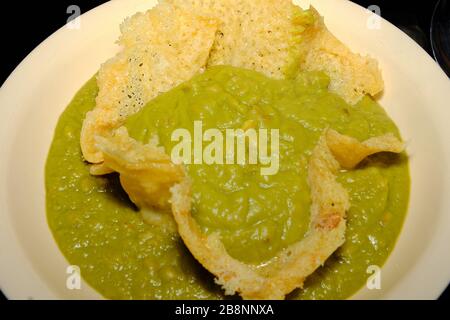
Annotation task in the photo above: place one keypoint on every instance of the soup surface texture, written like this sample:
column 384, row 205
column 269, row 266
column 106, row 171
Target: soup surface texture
column 122, row 257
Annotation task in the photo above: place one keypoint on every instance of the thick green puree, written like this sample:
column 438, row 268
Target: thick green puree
column 98, row 228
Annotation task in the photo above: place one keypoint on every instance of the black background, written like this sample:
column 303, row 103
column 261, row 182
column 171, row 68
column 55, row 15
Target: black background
column 26, row 24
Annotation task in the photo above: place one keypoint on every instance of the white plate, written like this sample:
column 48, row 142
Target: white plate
column 417, row 96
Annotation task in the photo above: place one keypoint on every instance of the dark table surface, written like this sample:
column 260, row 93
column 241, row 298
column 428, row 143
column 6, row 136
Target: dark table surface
column 45, row 17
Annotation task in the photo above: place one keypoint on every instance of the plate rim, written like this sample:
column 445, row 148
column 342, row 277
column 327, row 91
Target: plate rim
column 3, row 164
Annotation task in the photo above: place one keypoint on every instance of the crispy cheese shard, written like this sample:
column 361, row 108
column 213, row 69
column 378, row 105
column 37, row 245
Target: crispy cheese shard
column 253, row 34
column 278, row 38
column 289, row 268
column 146, row 171
column 160, row 49
column 352, row 75
column 148, row 176
column 349, row 151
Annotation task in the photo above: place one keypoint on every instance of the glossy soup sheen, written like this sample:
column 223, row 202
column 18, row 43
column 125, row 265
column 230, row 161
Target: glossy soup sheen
column 122, row 257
